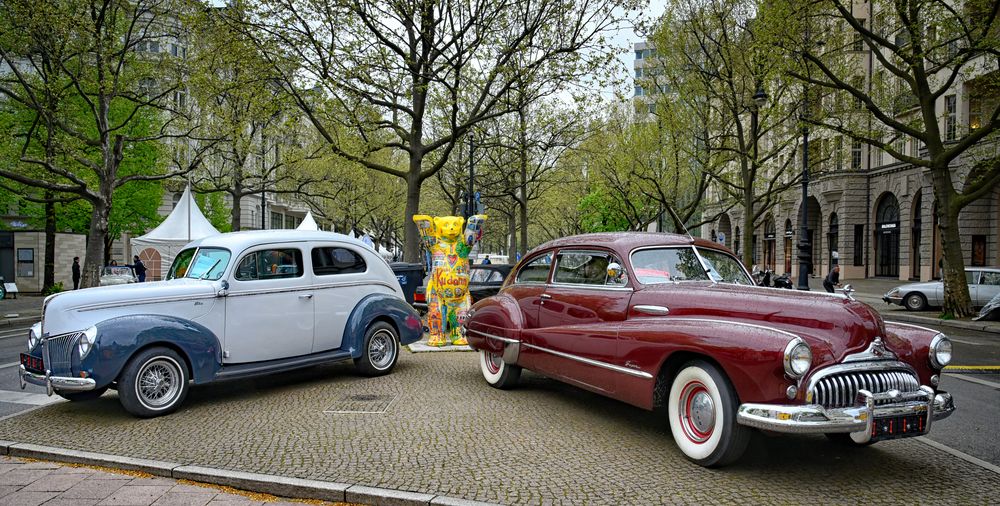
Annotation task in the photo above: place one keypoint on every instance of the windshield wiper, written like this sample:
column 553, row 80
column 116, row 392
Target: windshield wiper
column 209, row 271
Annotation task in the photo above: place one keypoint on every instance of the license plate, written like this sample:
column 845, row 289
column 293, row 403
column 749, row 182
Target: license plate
column 892, row 427
column 32, row 363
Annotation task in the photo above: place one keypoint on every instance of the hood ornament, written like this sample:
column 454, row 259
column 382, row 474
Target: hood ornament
column 875, row 351
column 848, row 291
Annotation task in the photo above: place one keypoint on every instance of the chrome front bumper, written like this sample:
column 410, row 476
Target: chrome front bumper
column 54, row 383
column 813, row 418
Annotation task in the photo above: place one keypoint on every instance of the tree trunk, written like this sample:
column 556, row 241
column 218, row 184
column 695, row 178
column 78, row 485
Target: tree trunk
column 411, row 238
column 512, row 235
column 957, row 301
column 237, row 207
column 49, row 277
column 91, row 272
column 522, row 154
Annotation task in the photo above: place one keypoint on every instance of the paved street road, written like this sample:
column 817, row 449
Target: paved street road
column 13, row 341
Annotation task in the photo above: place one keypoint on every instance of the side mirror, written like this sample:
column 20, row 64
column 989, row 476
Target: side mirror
column 224, row 289
column 616, row 273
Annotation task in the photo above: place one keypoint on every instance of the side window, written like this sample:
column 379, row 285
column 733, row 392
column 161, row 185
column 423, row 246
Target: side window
column 247, row 268
column 586, row 268
column 178, row 269
column 991, row 278
column 270, row 264
column 536, row 271
column 480, row 275
column 495, row 277
column 333, row 260
column 972, row 277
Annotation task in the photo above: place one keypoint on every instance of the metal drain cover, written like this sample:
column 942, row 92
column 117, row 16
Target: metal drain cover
column 361, row 404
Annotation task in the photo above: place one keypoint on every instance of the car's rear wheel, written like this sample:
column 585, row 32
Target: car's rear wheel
column 915, row 302
column 153, row 383
column 498, row 374
column 702, row 412
column 380, row 352
column 83, row 396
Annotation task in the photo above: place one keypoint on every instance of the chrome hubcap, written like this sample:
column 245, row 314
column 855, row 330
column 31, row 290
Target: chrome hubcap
column 158, row 383
column 493, row 362
column 381, row 349
column 697, row 412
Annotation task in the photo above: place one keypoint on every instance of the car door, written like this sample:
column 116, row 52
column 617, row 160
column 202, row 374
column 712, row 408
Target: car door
column 989, row 287
column 269, row 308
column 340, row 280
column 972, row 277
column 579, row 317
column 527, row 289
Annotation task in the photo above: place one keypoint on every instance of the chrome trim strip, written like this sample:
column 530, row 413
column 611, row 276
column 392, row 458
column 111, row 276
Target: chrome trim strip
column 595, row 363
column 491, row 336
column 139, row 302
column 911, row 325
column 53, row 383
column 729, row 322
column 591, row 287
column 305, row 288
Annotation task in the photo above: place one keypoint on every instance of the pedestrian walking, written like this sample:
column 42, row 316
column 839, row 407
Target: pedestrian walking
column 486, row 261
column 832, row 279
column 76, row 273
column 139, row 268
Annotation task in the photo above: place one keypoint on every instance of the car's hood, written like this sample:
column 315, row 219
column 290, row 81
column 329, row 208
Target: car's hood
column 918, row 287
column 833, row 325
column 70, row 311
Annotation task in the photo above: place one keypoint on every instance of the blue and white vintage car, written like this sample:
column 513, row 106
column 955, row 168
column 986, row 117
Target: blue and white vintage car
column 233, row 305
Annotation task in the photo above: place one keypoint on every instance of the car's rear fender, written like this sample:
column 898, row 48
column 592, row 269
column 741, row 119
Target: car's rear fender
column 381, row 306
column 497, row 316
column 118, row 339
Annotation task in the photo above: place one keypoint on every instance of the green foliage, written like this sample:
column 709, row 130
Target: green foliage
column 599, row 213
column 55, row 288
column 213, row 206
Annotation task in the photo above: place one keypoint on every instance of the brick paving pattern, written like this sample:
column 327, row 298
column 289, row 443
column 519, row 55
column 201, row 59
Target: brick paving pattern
column 447, row 432
column 31, row 483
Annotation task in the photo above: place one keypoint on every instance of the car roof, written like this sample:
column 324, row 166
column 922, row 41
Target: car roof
column 238, row 241
column 625, row 242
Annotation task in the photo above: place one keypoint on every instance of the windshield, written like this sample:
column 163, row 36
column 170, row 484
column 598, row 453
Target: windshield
column 669, row 265
column 208, row 263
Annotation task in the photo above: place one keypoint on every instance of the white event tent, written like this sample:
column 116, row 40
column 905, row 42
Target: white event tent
column 184, row 224
column 308, row 223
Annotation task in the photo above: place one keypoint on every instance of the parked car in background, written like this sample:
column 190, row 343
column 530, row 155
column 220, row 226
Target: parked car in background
column 233, row 305
column 669, row 321
column 984, row 284
column 117, row 275
column 486, row 280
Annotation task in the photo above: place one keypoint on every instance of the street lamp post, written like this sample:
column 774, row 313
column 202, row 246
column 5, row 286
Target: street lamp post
column 469, row 209
column 805, row 255
column 759, row 99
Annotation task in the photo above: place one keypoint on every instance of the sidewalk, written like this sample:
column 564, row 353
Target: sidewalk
column 24, row 309
column 30, row 482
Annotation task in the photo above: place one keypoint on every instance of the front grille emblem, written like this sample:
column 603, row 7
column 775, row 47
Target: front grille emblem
column 877, row 348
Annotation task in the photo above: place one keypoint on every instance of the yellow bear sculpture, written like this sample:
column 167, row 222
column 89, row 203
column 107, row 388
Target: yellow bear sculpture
column 448, row 298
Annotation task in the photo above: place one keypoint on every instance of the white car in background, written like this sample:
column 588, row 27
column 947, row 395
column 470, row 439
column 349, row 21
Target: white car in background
column 117, row 275
column 984, row 284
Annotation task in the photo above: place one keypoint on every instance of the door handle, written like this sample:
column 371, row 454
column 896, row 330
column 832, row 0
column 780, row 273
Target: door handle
column 544, row 296
column 652, row 310
column 306, row 296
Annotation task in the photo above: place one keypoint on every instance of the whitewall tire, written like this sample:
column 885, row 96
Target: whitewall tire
column 702, row 412
column 498, row 373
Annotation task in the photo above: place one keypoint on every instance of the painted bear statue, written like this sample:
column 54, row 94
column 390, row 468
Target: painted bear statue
column 448, row 299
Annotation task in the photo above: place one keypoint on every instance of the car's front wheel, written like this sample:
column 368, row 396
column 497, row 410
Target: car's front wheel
column 702, row 412
column 498, row 374
column 380, row 352
column 153, row 383
column 89, row 395
column 915, row 302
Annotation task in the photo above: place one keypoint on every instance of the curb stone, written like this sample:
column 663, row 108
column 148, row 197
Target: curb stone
column 958, row 324
column 282, row 486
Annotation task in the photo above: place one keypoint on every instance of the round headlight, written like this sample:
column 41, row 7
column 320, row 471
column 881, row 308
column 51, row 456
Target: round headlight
column 940, row 351
column 798, row 358
column 86, row 341
column 34, row 336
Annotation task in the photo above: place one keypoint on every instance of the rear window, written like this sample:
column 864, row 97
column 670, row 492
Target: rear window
column 270, row 264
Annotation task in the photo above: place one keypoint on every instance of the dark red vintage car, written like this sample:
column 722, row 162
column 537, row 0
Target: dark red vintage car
column 662, row 320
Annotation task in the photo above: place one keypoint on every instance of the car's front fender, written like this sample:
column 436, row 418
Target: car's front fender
column 118, row 339
column 380, row 305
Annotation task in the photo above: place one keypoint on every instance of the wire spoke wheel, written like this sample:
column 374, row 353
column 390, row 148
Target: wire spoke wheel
column 158, row 382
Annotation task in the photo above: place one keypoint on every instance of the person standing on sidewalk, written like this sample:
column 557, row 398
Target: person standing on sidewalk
column 140, row 268
column 832, row 279
column 76, row 273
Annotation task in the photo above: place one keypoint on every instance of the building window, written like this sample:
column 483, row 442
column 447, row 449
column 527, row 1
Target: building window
column 978, row 251
column 277, row 220
column 859, row 245
column 180, row 99
column 856, row 155
column 858, row 44
column 638, row 54
column 639, row 91
column 176, row 199
column 25, row 263
column 950, row 120
column 638, row 73
column 838, row 155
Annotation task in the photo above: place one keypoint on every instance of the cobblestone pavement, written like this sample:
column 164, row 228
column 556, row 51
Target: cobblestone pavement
column 434, row 426
column 30, row 483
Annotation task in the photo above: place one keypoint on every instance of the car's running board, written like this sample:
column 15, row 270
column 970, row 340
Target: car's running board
column 271, row 366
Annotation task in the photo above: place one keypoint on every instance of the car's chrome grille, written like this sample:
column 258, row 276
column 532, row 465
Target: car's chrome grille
column 841, row 389
column 57, row 352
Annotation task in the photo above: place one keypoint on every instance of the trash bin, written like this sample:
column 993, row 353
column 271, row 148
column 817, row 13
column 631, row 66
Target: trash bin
column 410, row 276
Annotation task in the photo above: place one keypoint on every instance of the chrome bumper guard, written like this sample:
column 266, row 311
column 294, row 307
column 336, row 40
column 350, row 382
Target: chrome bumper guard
column 54, row 383
column 814, row 419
